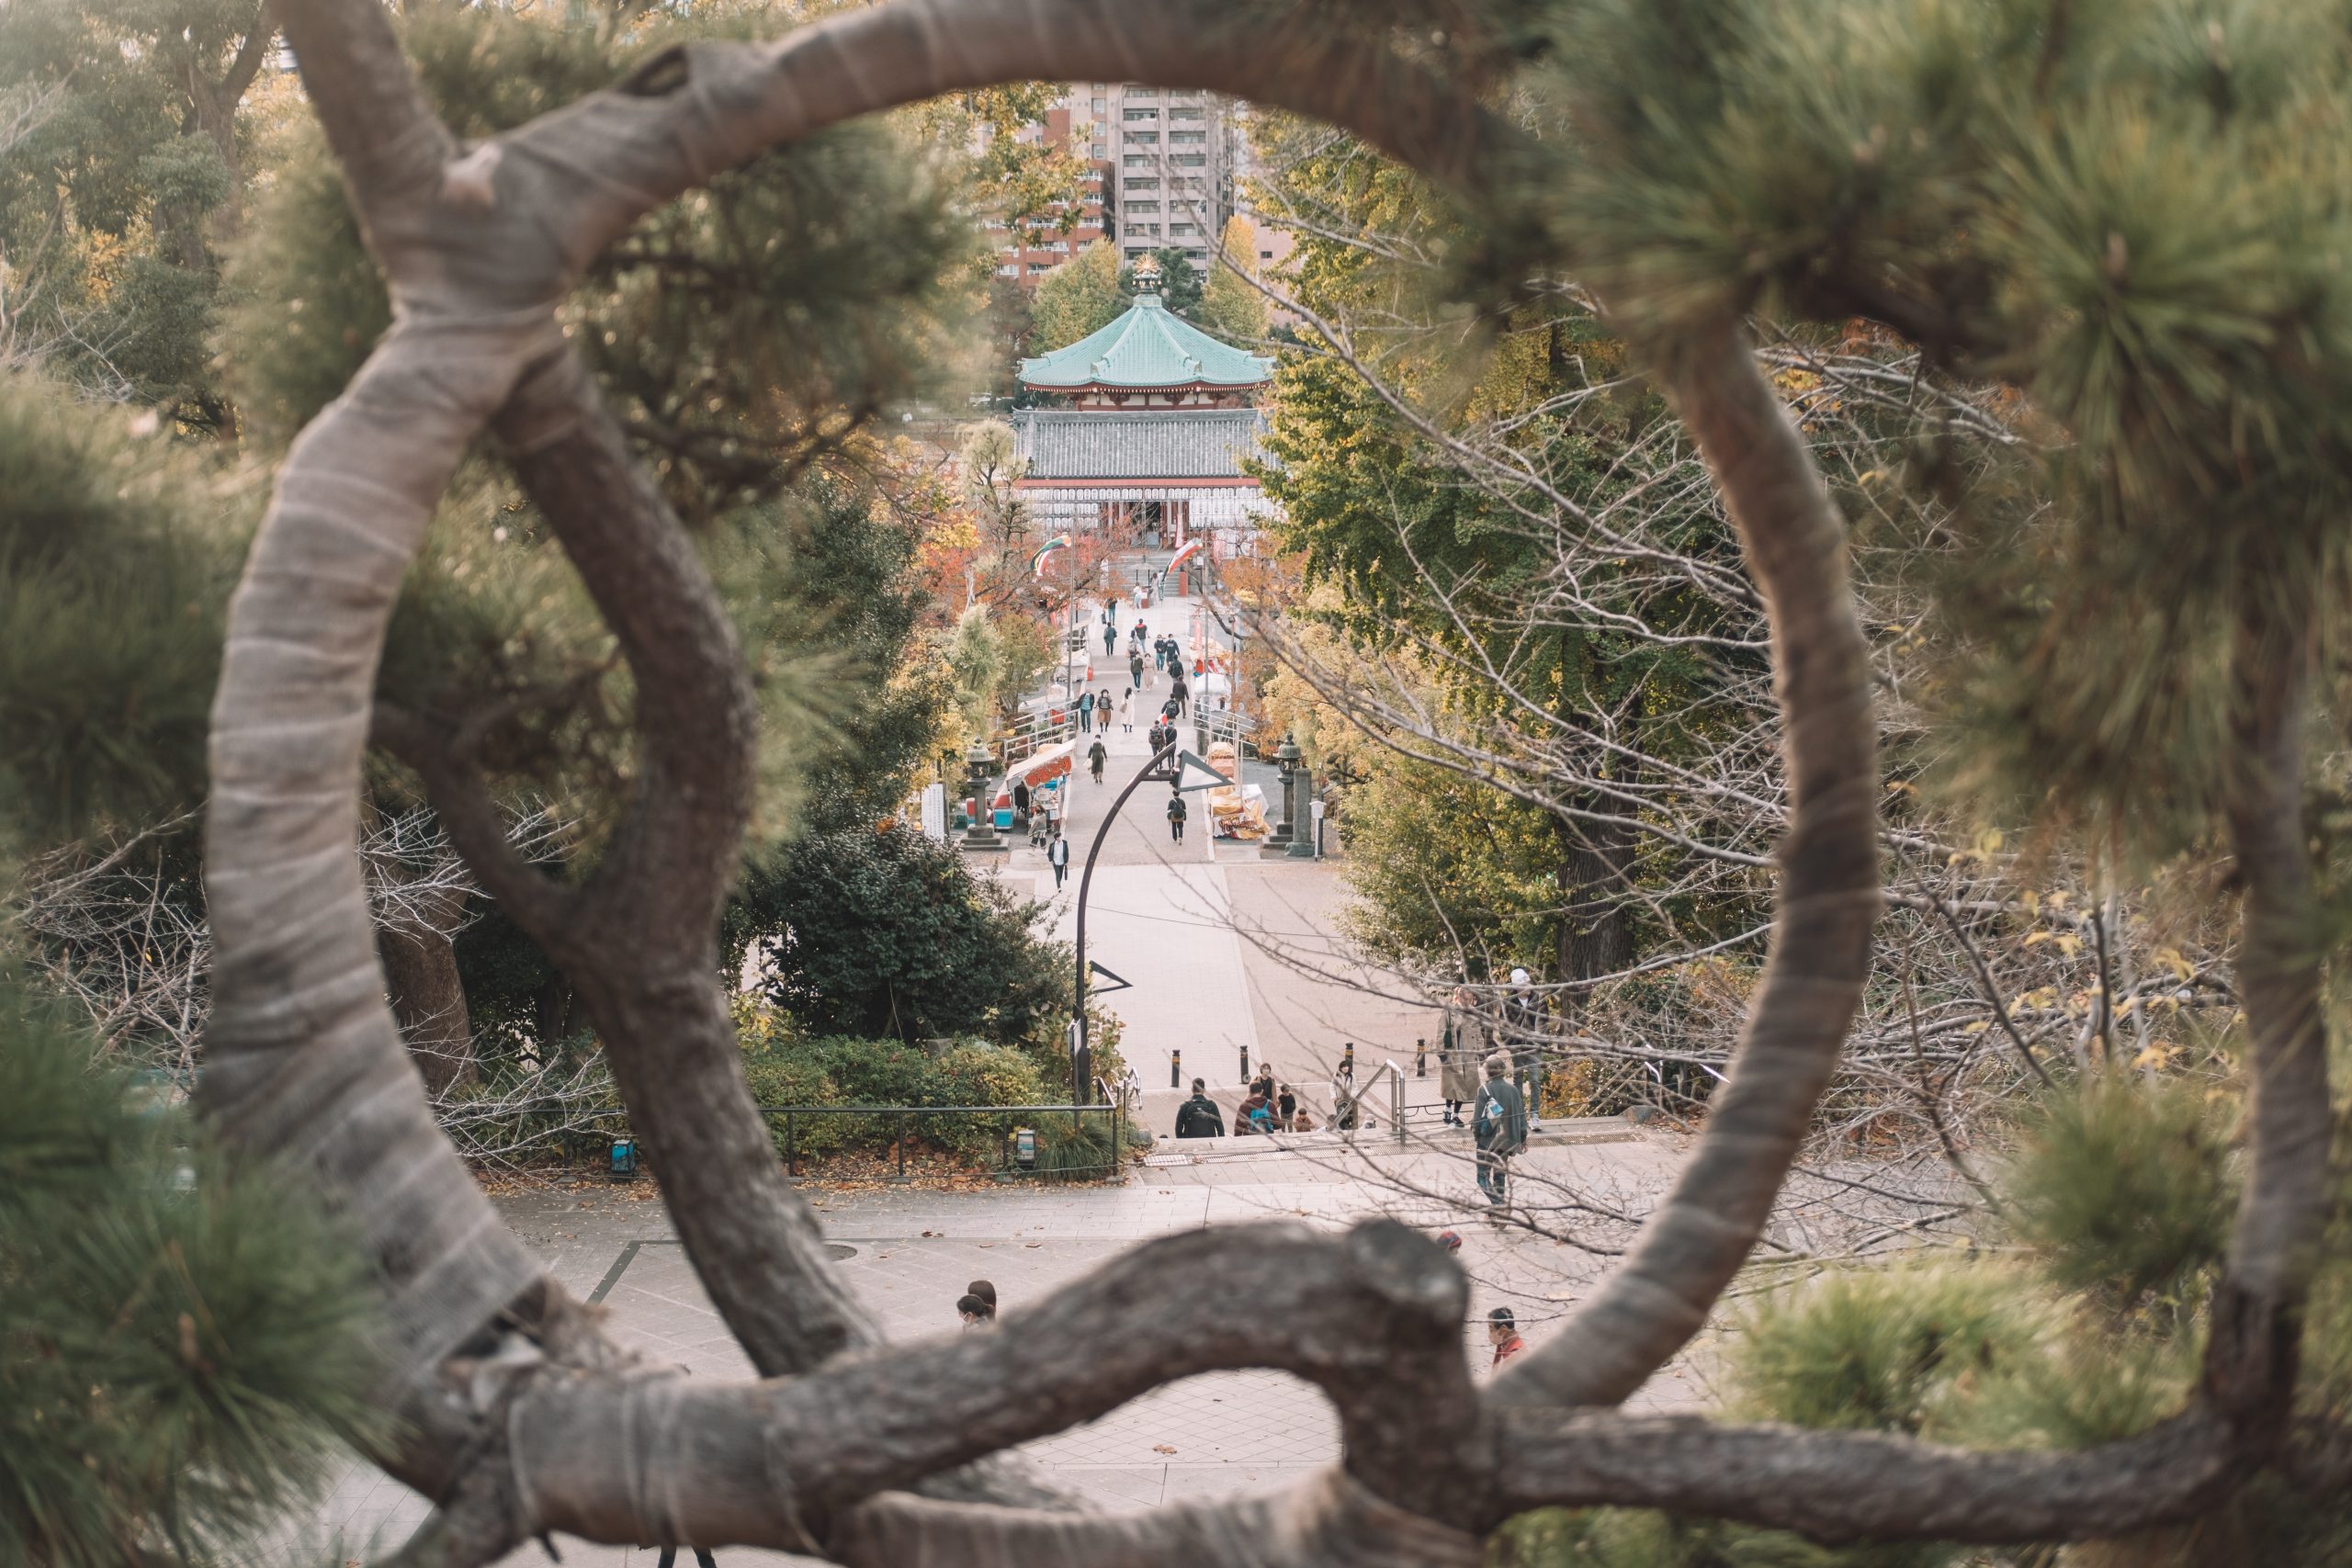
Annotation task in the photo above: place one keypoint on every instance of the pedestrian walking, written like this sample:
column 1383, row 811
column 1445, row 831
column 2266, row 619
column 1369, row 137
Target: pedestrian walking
column 1058, row 856
column 1110, row 636
column 1176, row 813
column 1498, row 1124
column 1502, row 1333
column 1095, row 755
column 1199, row 1116
column 1134, row 671
column 1178, row 691
column 1103, row 712
column 1085, row 713
column 1459, row 1052
column 1021, row 802
column 1286, row 1107
column 1524, row 1015
column 1127, row 712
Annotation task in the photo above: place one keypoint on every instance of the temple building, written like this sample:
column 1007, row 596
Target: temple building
column 1158, row 419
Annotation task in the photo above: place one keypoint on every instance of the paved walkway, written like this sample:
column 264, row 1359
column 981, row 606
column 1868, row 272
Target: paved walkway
column 1226, row 951
column 909, row 1253
column 1223, row 948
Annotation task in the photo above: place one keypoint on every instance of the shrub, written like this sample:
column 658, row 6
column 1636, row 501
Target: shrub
column 2124, row 1190
column 1882, row 1349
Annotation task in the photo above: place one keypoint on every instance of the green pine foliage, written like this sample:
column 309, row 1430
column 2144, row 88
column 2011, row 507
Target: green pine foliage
column 2125, row 1189
column 2010, row 184
column 115, row 565
column 183, row 1340
column 1888, row 1350
column 743, row 331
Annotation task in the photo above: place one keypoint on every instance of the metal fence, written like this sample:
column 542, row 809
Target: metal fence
column 1066, row 1142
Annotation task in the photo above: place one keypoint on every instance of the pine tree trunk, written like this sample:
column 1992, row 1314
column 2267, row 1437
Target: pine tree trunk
column 429, row 1002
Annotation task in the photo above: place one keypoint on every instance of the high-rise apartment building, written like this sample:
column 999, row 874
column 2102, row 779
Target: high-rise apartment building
column 1168, row 160
column 1028, row 255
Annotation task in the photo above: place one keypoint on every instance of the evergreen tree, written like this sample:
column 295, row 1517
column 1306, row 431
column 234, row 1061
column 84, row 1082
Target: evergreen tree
column 2129, row 212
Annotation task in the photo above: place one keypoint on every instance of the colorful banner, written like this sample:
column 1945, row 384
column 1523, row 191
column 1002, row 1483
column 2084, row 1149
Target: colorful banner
column 1037, row 561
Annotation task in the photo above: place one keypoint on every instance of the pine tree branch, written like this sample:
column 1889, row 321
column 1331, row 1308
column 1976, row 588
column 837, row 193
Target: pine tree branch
column 1828, row 901
column 2253, row 1348
column 642, row 940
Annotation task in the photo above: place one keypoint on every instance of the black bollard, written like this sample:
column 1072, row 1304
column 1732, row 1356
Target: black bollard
column 1245, row 1063
column 1175, row 1070
column 1421, row 1058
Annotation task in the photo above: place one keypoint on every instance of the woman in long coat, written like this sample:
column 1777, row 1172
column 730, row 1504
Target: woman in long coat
column 1464, row 1046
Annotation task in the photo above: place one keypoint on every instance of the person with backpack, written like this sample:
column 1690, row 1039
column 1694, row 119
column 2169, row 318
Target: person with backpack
column 1498, row 1125
column 1176, row 814
column 1199, row 1116
column 1094, row 758
column 1058, row 856
column 1134, row 671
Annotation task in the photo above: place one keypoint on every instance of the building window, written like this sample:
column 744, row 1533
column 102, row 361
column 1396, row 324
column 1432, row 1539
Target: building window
column 1143, row 139
column 1059, row 247
column 1152, row 230
column 1198, row 258
column 1132, row 116
column 1265, row 255
column 1010, row 269
column 1178, row 230
column 1041, row 267
column 1151, row 208
column 1190, row 160
column 1133, row 185
column 1098, row 106
column 1136, row 162
column 1187, row 138
column 1185, row 111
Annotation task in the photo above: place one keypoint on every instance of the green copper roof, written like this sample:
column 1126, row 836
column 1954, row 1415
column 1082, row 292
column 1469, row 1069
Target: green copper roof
column 1147, row 347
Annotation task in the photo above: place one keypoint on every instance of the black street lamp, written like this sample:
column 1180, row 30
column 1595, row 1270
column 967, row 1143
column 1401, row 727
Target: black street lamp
column 979, row 763
column 1082, row 1054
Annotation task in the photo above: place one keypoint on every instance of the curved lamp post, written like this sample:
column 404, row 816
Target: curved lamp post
column 1081, row 1055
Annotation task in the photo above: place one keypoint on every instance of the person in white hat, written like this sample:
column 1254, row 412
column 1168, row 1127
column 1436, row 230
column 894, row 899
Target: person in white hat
column 1523, row 1028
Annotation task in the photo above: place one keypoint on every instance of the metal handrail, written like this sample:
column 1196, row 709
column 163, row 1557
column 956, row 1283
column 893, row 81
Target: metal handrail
column 1395, row 1076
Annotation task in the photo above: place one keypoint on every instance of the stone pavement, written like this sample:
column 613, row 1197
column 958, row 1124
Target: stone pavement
column 1224, row 949
column 908, row 1254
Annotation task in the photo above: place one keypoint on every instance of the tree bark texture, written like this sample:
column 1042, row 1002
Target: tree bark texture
column 429, row 1003
column 521, row 1416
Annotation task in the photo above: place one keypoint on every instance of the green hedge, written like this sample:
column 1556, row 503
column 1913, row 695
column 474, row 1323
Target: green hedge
column 847, row 1072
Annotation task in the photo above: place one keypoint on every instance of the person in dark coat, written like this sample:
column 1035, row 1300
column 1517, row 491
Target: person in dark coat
column 1199, row 1116
column 1058, row 856
column 1178, row 691
column 1095, row 755
column 1500, row 1127
column 1176, row 812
